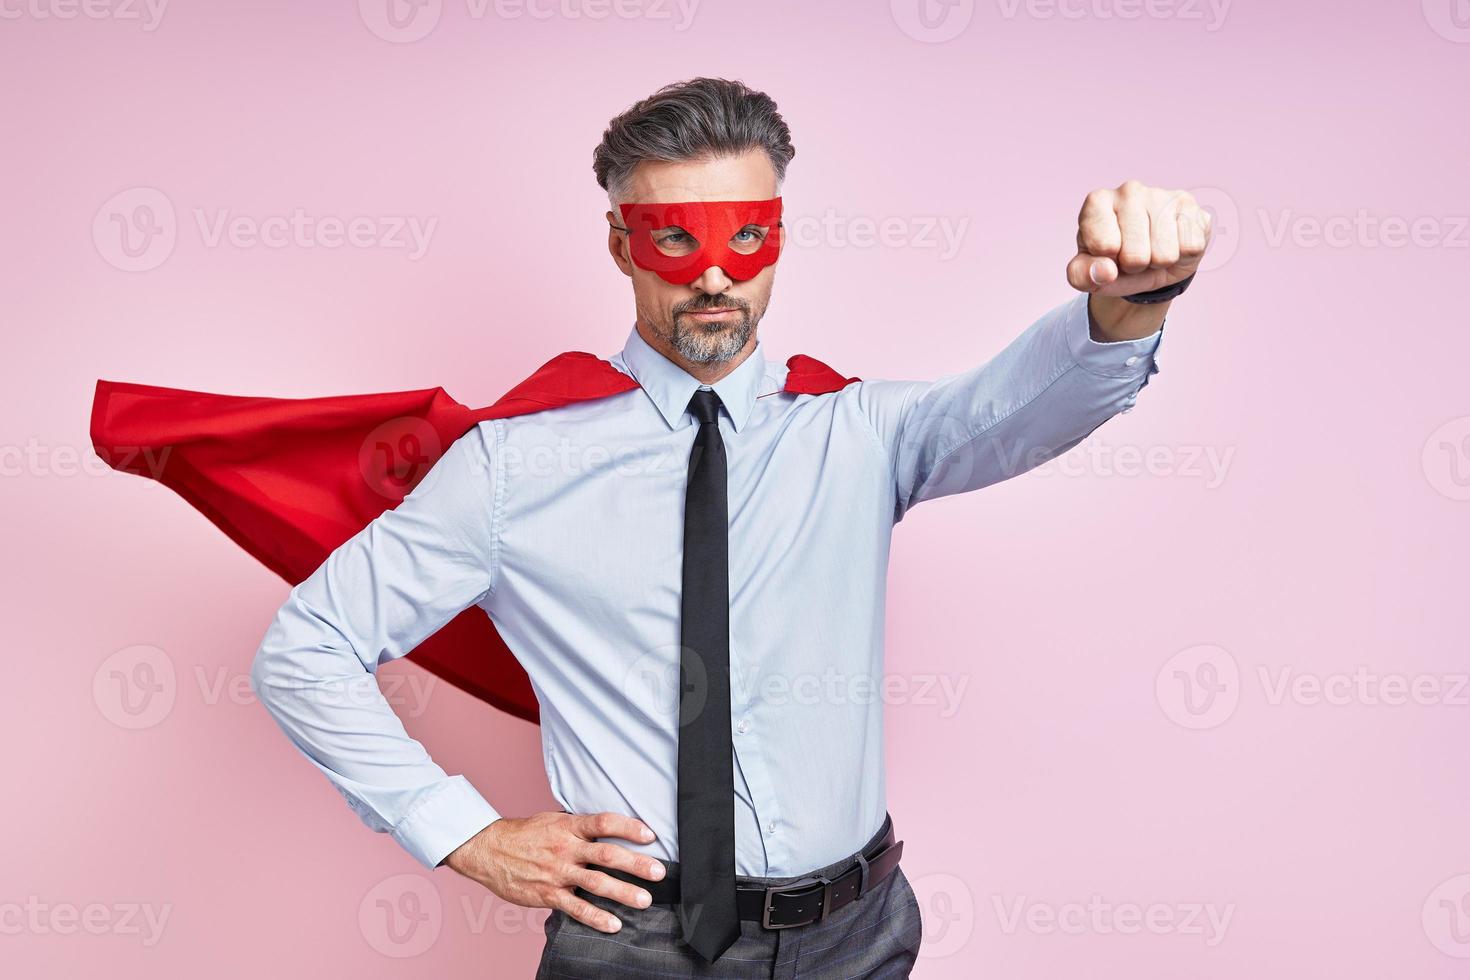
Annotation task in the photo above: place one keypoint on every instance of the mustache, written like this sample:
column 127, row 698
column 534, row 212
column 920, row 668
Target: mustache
column 701, row 303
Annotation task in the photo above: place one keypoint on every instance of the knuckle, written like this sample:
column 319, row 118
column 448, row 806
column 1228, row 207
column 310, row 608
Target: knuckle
column 1099, row 240
column 593, row 916
column 1131, row 187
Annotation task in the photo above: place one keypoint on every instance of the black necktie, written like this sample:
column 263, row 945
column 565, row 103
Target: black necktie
column 708, row 917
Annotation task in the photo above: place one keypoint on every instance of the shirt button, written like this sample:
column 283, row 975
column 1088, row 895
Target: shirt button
column 743, row 727
column 1132, row 360
column 770, row 826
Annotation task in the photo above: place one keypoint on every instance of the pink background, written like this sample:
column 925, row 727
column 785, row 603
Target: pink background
column 1325, row 375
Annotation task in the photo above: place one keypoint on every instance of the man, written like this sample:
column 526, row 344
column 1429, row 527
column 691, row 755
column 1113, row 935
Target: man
column 662, row 559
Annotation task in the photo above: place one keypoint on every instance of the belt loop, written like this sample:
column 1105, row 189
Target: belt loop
column 862, row 885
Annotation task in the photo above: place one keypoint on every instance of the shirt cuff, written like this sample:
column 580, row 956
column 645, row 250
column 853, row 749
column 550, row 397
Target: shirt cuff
column 1113, row 359
column 444, row 820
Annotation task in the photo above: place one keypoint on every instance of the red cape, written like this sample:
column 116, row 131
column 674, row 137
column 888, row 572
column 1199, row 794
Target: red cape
column 290, row 479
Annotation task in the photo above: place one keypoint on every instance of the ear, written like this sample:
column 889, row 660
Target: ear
column 616, row 246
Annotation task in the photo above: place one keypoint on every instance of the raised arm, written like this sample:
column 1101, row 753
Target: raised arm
column 1040, row 396
column 1069, row 372
column 375, row 598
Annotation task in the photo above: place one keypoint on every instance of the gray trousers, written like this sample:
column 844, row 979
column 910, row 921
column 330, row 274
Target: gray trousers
column 875, row 937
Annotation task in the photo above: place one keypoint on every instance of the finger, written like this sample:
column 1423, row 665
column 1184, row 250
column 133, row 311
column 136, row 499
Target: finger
column 1088, row 273
column 1191, row 225
column 1136, row 251
column 607, row 886
column 1139, row 283
column 1097, row 225
column 1164, row 232
column 591, row 826
column 621, row 858
column 587, row 913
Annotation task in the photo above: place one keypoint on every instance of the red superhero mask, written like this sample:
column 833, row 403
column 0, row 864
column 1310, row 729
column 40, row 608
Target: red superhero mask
column 679, row 241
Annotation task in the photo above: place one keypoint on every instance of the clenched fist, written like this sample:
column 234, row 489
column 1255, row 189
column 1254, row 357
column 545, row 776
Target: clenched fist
column 537, row 861
column 1132, row 240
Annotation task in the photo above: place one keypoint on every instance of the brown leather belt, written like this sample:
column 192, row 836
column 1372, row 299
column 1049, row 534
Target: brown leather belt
column 801, row 902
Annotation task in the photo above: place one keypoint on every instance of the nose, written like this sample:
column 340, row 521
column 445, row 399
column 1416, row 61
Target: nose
column 713, row 281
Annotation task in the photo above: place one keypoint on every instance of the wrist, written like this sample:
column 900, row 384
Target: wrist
column 463, row 857
column 1112, row 318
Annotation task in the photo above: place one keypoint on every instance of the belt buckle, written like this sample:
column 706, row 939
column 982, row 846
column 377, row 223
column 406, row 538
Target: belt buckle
column 806, row 884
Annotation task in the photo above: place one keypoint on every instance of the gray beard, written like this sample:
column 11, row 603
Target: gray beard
column 699, row 345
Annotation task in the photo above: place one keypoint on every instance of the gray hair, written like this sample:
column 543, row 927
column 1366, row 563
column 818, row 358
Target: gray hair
column 688, row 120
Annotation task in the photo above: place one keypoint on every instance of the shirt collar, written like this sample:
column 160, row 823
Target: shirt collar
column 671, row 387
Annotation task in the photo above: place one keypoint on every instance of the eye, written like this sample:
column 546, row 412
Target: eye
column 748, row 240
column 671, row 235
column 674, row 241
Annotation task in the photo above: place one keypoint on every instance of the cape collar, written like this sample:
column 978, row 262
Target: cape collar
column 577, row 376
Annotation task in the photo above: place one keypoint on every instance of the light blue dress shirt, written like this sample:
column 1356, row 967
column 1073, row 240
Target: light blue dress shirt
column 565, row 527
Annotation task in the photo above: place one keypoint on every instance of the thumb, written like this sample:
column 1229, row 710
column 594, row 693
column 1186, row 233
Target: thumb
column 1089, row 273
